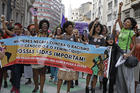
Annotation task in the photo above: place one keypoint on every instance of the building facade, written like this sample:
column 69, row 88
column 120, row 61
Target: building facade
column 50, row 10
column 107, row 11
column 131, row 8
column 83, row 13
column 28, row 17
column 98, row 10
column 16, row 10
column 112, row 13
column 76, row 16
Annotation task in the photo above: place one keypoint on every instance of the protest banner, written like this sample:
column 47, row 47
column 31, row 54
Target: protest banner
column 51, row 52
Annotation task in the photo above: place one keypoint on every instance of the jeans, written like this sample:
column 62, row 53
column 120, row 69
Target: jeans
column 54, row 71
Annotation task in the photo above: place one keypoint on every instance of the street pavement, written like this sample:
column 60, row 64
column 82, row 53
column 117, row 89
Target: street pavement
column 51, row 88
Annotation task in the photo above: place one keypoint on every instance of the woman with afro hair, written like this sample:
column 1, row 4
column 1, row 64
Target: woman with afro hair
column 125, row 76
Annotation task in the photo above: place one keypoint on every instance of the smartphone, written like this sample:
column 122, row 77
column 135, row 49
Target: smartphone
column 33, row 11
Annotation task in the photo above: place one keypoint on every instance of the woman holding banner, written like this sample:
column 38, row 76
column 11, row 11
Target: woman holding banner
column 17, row 69
column 65, row 74
column 95, row 29
column 40, row 30
column 54, row 70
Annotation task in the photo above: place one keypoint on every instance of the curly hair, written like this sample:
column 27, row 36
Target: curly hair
column 56, row 30
column 30, row 26
column 133, row 22
column 44, row 21
column 105, row 28
column 18, row 24
column 96, row 25
column 66, row 24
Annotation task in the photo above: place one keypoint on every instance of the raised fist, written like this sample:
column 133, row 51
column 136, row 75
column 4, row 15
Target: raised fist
column 2, row 18
column 121, row 4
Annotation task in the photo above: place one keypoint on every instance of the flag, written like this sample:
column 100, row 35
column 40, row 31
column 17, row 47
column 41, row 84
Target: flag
column 62, row 21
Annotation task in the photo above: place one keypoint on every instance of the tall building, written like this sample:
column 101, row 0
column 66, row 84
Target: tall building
column 28, row 15
column 50, row 10
column 16, row 10
column 83, row 13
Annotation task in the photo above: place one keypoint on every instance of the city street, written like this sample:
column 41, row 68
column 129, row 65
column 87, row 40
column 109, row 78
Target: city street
column 51, row 88
column 65, row 38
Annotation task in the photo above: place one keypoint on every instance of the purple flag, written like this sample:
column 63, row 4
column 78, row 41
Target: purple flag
column 62, row 21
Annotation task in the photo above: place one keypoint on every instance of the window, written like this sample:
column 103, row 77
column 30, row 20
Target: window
column 22, row 19
column 115, row 2
column 16, row 17
column 3, row 8
column 109, row 28
column 109, row 17
column 115, row 15
column 99, row 11
column 137, row 13
column 127, row 14
column 127, row 1
column 110, row 5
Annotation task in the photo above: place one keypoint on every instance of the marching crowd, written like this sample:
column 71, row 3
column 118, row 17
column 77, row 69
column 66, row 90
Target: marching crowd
column 125, row 43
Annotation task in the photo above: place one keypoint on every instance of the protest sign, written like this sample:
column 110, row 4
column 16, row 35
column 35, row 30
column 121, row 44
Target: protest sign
column 81, row 26
column 51, row 52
